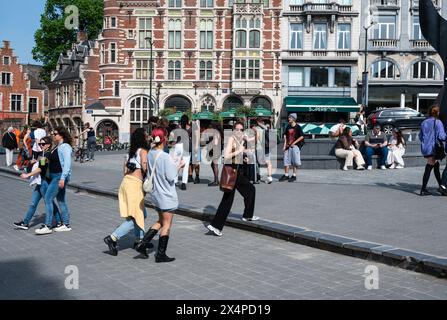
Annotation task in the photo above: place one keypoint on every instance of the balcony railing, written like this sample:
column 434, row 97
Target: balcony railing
column 248, row 8
column 318, row 8
column 292, row 53
column 385, row 3
column 384, row 43
column 420, row 44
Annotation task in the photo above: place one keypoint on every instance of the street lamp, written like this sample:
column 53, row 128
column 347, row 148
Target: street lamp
column 151, row 69
column 365, row 79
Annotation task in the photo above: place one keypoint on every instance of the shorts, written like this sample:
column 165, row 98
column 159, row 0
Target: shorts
column 165, row 210
column 292, row 157
column 261, row 157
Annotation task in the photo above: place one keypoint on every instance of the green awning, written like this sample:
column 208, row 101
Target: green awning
column 204, row 115
column 229, row 114
column 314, row 104
column 263, row 112
column 175, row 116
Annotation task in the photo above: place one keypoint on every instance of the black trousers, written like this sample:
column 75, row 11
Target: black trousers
column 248, row 192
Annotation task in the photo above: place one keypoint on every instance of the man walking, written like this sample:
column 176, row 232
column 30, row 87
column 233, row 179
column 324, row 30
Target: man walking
column 9, row 142
column 293, row 141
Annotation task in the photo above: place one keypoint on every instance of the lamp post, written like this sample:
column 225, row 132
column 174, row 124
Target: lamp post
column 365, row 75
column 151, row 70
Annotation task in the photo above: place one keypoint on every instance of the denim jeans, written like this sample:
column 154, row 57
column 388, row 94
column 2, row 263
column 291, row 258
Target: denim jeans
column 127, row 226
column 38, row 194
column 53, row 192
column 91, row 147
column 383, row 152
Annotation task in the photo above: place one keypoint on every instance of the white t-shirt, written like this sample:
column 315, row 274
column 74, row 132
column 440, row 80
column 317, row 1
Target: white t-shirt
column 38, row 134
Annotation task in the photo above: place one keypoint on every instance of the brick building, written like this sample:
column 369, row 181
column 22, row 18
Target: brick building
column 74, row 85
column 207, row 55
column 22, row 94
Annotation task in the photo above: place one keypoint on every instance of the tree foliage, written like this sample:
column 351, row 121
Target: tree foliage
column 53, row 38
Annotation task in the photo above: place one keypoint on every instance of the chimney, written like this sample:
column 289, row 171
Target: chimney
column 82, row 36
column 6, row 44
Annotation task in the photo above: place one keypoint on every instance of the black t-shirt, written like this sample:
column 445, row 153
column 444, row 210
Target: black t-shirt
column 293, row 133
column 91, row 133
column 44, row 168
column 55, row 164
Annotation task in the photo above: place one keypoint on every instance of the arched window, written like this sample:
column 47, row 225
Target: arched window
column 424, row 70
column 206, row 34
column 383, row 69
column 208, row 104
column 232, row 102
column 255, row 39
column 261, row 101
column 180, row 103
column 250, row 29
column 241, row 39
column 139, row 110
column 174, row 70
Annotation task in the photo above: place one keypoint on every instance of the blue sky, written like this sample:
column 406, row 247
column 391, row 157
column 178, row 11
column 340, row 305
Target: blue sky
column 19, row 19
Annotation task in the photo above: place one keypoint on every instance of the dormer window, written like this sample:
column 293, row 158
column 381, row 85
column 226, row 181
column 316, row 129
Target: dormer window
column 6, row 61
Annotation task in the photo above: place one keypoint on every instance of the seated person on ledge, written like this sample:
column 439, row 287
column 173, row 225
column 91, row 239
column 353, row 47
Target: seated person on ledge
column 376, row 142
column 347, row 148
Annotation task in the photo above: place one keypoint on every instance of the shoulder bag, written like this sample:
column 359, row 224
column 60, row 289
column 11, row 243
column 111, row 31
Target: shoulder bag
column 228, row 177
column 439, row 151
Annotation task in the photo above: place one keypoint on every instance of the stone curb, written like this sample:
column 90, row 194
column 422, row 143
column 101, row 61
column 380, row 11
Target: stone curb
column 402, row 258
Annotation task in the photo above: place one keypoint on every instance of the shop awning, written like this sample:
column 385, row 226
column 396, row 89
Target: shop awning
column 314, row 104
column 204, row 115
column 263, row 112
column 228, row 114
column 175, row 116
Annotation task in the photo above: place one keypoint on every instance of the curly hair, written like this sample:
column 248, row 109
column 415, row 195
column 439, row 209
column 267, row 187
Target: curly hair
column 138, row 140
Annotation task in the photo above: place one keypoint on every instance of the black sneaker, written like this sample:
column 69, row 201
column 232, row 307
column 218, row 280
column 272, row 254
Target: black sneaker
column 190, row 179
column 442, row 190
column 283, row 178
column 21, row 225
column 425, row 192
column 197, row 180
column 213, row 184
column 292, row 179
column 183, row 186
column 112, row 245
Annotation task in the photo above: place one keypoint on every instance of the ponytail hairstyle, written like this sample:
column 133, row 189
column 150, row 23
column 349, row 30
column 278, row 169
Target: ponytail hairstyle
column 158, row 136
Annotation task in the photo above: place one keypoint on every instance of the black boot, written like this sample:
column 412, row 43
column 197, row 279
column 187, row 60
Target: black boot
column 112, row 245
column 161, row 253
column 138, row 242
column 145, row 243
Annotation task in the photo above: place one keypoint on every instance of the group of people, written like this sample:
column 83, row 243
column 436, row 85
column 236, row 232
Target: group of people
column 49, row 171
column 153, row 166
column 390, row 151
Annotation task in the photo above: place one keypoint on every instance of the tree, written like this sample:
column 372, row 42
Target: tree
column 53, row 38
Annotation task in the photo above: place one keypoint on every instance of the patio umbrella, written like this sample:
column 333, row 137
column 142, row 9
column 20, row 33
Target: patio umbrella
column 307, row 127
column 228, row 114
column 263, row 112
column 204, row 115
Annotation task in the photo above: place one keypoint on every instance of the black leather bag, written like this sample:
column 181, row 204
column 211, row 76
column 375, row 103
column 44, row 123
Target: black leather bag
column 439, row 151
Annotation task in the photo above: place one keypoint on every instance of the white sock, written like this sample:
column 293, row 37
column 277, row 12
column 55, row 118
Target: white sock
column 294, row 174
column 287, row 174
column 269, row 178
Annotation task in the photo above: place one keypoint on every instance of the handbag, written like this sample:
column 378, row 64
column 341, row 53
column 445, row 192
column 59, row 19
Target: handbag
column 439, row 146
column 228, row 179
column 148, row 184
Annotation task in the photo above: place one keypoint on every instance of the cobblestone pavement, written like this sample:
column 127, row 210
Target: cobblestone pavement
column 239, row 265
column 377, row 206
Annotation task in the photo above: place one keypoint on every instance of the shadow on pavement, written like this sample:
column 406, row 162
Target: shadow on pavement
column 407, row 187
column 21, row 279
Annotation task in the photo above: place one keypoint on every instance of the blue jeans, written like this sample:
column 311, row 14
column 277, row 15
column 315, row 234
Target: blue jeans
column 127, row 226
column 38, row 194
column 91, row 146
column 383, row 152
column 53, row 192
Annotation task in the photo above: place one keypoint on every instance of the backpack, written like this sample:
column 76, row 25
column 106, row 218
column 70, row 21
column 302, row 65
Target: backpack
column 148, row 185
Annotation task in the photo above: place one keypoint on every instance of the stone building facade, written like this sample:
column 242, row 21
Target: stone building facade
column 404, row 70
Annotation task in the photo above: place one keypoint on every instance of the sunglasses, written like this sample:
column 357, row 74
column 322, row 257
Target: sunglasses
column 55, row 133
column 43, row 144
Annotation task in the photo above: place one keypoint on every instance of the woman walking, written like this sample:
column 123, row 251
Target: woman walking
column 40, row 180
column 59, row 175
column 163, row 196
column 9, row 142
column 131, row 195
column 347, row 148
column 432, row 131
column 396, row 147
column 234, row 157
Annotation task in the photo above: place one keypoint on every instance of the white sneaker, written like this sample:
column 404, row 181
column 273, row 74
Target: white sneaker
column 370, row 168
column 345, row 168
column 361, row 168
column 16, row 168
column 392, row 166
column 62, row 228
column 216, row 231
column 399, row 167
column 382, row 167
column 254, row 218
column 43, row 230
